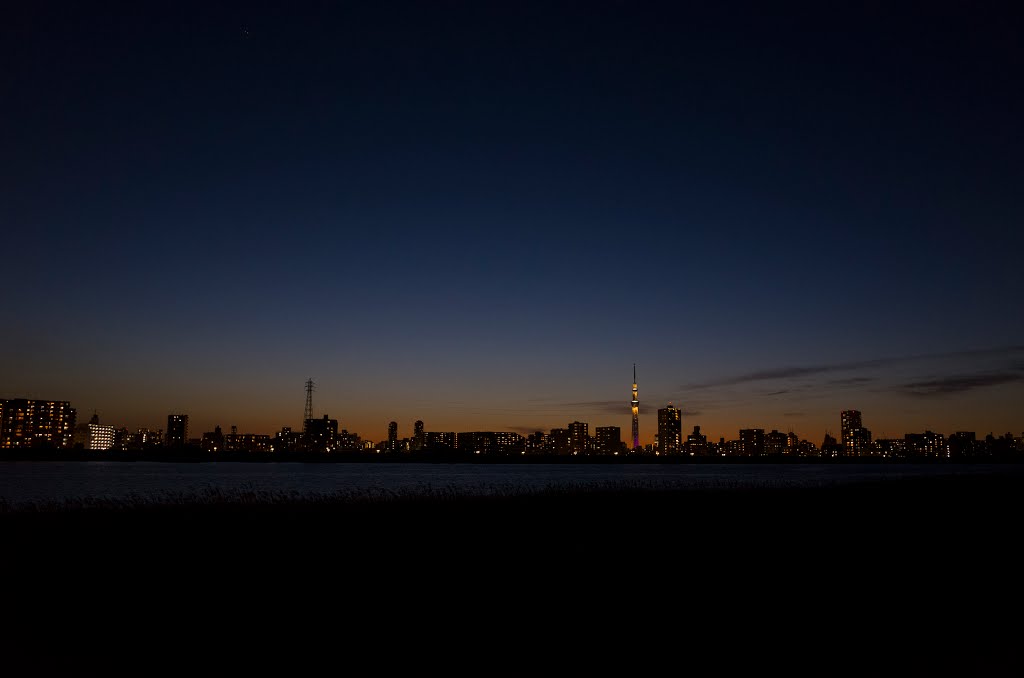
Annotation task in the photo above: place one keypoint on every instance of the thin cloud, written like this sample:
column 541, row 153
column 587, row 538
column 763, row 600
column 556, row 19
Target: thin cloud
column 610, row 406
column 949, row 385
column 812, row 370
column 791, row 372
column 851, row 381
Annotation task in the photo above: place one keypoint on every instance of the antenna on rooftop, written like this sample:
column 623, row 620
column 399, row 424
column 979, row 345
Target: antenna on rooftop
column 308, row 413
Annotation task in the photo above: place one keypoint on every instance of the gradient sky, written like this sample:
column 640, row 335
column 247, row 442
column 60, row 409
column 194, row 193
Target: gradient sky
column 482, row 214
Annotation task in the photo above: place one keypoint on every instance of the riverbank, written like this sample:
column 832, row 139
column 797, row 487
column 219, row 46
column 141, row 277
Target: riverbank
column 932, row 513
column 196, row 455
column 909, row 566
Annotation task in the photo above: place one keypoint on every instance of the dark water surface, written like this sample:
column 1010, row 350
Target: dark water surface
column 47, row 481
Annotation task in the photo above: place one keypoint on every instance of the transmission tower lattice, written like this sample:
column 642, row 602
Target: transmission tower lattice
column 308, row 414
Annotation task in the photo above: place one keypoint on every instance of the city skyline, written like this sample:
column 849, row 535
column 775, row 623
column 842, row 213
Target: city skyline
column 40, row 428
column 481, row 216
column 847, row 429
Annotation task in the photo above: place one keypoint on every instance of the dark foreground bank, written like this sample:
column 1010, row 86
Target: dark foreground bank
column 864, row 527
column 890, row 576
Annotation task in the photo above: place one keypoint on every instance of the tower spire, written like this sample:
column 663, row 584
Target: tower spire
column 635, row 403
column 308, row 412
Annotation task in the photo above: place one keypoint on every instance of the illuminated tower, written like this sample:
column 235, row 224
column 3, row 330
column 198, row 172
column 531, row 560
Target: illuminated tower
column 307, row 413
column 636, row 413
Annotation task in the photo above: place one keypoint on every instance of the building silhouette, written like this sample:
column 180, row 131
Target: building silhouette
column 537, row 443
column 34, row 423
column 751, row 442
column 259, row 442
column 962, row 443
column 670, row 430
column 177, row 430
column 140, row 439
column 286, row 440
column 507, row 442
column 608, row 439
column 320, row 434
column 419, row 437
column 100, row 437
column 927, row 444
column 697, row 443
column 558, row 441
column 635, row 408
column 440, row 440
column 830, row 447
column 347, row 442
column 475, row 442
column 392, row 444
column 579, row 438
column 213, row 441
column 855, row 440
column 775, row 443
column 490, row 442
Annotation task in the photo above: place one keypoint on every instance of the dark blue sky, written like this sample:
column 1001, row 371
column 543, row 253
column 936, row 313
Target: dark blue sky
column 481, row 216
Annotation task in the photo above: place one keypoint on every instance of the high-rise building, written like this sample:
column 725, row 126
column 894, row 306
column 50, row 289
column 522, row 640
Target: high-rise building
column 477, row 442
column 468, row 441
column 536, row 443
column 849, row 421
column 419, row 437
column 609, row 439
column 558, row 441
column 927, row 444
column 348, row 442
column 670, row 430
column 752, row 442
column 962, row 443
column 891, row 447
column 286, row 440
column 392, row 445
column 100, row 437
column 507, row 442
column 177, row 430
column 318, row 431
column 321, row 434
column 856, row 440
column 142, row 438
column 775, row 443
column 578, row 437
column 859, row 444
column 31, row 423
column 829, row 446
column 440, row 439
column 697, row 443
column 213, row 441
column 635, row 404
column 490, row 442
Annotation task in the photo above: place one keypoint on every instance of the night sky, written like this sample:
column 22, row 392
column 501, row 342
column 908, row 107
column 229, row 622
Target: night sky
column 482, row 214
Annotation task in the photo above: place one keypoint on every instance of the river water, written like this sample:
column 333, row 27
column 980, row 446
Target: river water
column 56, row 481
